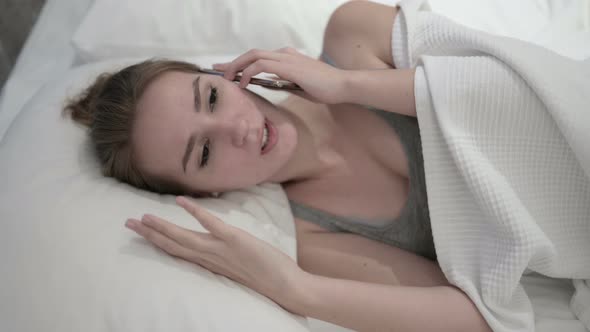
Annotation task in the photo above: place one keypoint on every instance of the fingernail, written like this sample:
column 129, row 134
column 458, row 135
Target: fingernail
column 147, row 218
column 130, row 224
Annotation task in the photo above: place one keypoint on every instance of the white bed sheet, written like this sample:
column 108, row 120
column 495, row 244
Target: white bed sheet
column 48, row 53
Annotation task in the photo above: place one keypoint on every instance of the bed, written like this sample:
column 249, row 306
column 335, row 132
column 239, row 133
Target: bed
column 62, row 273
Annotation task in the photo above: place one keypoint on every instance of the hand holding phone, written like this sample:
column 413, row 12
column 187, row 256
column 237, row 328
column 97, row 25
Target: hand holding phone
column 305, row 76
column 265, row 82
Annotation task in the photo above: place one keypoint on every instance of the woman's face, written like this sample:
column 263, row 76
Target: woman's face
column 206, row 134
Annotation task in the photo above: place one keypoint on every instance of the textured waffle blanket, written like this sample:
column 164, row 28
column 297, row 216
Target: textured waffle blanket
column 505, row 129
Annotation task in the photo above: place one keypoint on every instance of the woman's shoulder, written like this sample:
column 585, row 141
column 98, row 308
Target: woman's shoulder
column 358, row 35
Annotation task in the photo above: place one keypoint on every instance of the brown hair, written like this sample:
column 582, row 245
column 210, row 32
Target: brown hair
column 108, row 107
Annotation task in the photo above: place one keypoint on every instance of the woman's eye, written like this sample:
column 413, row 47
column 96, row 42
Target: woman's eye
column 205, row 156
column 212, row 98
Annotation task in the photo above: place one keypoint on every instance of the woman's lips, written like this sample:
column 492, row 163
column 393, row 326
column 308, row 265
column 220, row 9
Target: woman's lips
column 272, row 137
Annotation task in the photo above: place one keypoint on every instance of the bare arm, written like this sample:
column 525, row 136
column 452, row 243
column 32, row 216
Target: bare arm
column 358, row 39
column 354, row 257
column 375, row 307
column 388, row 89
column 366, row 285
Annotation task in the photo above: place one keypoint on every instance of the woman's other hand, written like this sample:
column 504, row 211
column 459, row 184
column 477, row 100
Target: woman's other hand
column 321, row 82
column 225, row 250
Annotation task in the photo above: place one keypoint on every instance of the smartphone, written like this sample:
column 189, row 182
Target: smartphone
column 266, row 82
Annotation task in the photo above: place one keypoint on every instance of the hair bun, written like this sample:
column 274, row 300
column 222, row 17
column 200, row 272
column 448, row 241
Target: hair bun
column 82, row 107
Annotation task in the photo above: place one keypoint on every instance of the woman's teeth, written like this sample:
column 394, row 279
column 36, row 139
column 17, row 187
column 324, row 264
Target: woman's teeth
column 264, row 137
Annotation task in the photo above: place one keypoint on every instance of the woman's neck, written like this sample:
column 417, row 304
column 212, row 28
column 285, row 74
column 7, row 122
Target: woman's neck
column 315, row 155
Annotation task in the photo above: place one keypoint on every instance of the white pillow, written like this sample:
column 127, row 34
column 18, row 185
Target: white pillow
column 68, row 262
column 114, row 28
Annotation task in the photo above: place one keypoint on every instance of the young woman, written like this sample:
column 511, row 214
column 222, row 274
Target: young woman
column 353, row 174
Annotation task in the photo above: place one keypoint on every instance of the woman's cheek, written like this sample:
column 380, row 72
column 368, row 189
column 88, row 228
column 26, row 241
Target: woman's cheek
column 237, row 172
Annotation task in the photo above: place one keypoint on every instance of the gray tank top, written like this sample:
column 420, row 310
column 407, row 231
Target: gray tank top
column 411, row 230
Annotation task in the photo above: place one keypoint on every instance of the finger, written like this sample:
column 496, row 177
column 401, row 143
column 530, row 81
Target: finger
column 274, row 77
column 161, row 241
column 268, row 66
column 247, row 58
column 187, row 238
column 288, row 50
column 211, row 223
column 220, row 66
column 252, row 70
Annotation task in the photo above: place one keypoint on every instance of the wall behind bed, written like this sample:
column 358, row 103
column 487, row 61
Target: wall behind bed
column 16, row 21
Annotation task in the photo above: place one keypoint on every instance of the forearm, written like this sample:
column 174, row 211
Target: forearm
column 376, row 307
column 387, row 89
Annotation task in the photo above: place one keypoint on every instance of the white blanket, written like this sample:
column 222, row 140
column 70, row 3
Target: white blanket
column 505, row 129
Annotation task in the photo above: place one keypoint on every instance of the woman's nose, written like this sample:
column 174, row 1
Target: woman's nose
column 236, row 129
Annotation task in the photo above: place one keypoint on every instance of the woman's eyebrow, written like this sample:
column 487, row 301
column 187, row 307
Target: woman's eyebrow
column 197, row 92
column 187, row 152
column 191, row 141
